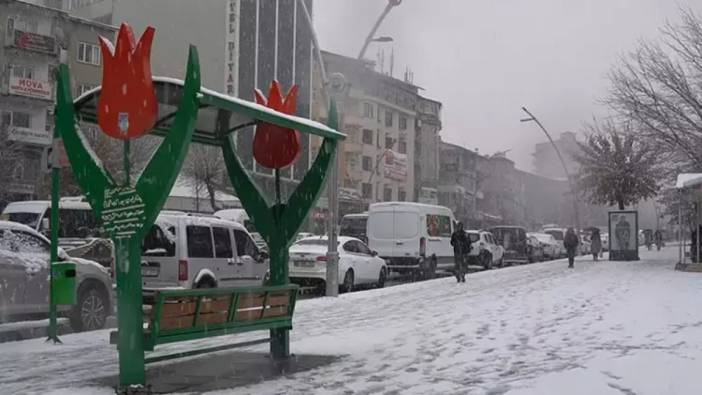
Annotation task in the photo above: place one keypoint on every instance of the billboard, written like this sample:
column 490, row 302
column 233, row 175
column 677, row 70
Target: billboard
column 29, row 88
column 623, row 236
column 395, row 166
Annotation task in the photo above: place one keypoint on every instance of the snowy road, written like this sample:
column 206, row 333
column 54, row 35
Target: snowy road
column 603, row 328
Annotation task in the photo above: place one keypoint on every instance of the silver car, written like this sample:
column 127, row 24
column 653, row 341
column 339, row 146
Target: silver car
column 24, row 281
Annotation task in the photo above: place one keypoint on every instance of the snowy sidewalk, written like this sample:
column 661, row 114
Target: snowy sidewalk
column 603, row 328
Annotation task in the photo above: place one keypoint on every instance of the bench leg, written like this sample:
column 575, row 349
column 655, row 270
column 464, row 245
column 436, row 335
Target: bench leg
column 130, row 342
column 280, row 343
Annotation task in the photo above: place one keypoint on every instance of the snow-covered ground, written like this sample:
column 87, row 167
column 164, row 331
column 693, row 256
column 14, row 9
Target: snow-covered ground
column 602, row 328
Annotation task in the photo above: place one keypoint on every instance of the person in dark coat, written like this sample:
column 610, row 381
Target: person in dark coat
column 571, row 241
column 596, row 244
column 461, row 247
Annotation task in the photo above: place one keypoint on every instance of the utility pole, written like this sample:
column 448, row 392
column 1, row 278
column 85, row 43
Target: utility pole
column 560, row 158
column 332, row 275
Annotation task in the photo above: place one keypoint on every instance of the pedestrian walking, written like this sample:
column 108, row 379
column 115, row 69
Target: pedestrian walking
column 571, row 241
column 658, row 237
column 460, row 243
column 595, row 244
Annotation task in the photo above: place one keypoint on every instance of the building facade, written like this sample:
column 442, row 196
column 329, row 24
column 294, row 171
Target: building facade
column 458, row 181
column 243, row 45
column 545, row 159
column 35, row 39
column 426, row 152
column 379, row 115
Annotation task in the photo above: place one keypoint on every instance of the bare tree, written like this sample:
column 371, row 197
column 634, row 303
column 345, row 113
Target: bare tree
column 616, row 167
column 658, row 87
column 204, row 167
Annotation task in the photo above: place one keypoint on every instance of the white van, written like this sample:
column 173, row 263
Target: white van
column 188, row 251
column 240, row 216
column 412, row 237
column 76, row 216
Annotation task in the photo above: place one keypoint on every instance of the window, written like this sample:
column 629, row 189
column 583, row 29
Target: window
column 367, row 163
column 367, row 136
column 389, row 142
column 244, row 244
column 368, row 110
column 16, row 119
column 388, row 118
column 402, row 147
column 89, row 53
column 222, row 243
column 367, row 190
column 199, row 241
column 350, row 246
column 387, row 194
column 23, row 72
column 401, row 195
column 438, row 225
column 402, row 123
column 159, row 242
column 363, row 249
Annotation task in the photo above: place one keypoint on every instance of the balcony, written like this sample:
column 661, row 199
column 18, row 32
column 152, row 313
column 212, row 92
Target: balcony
column 31, row 42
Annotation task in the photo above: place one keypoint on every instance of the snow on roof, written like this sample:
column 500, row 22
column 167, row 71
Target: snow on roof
column 17, row 226
column 183, row 187
column 687, row 180
column 233, row 214
column 39, row 206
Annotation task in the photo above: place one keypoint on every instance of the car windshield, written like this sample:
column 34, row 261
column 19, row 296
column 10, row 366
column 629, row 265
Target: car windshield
column 351, row 226
column 29, row 219
column 557, row 234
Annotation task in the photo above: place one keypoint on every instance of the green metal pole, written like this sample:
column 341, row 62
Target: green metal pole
column 280, row 338
column 130, row 342
column 54, row 224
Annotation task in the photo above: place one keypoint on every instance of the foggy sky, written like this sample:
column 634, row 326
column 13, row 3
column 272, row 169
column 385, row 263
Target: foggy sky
column 484, row 59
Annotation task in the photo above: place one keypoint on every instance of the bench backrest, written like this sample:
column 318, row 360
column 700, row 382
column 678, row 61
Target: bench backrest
column 178, row 315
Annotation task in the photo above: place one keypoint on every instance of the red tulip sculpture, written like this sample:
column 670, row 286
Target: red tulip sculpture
column 127, row 107
column 276, row 147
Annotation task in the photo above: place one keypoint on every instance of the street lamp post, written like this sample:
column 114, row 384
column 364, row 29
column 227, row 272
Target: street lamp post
column 560, row 158
column 391, row 4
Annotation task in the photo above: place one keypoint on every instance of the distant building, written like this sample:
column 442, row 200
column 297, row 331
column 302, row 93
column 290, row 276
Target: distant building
column 243, row 45
column 379, row 114
column 35, row 39
column 458, row 181
column 426, row 149
column 545, row 159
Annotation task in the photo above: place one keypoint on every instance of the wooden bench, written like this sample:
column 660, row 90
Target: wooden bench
column 181, row 315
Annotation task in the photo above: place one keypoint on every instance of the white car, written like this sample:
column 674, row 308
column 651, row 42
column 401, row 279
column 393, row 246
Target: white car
column 358, row 265
column 485, row 251
column 24, row 281
column 551, row 246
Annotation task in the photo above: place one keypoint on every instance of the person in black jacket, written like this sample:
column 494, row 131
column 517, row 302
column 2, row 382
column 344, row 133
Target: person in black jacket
column 461, row 247
column 571, row 241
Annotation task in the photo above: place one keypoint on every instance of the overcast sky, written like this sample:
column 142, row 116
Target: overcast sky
column 484, row 59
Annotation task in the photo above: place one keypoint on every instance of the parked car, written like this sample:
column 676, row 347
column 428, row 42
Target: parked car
column 412, row 237
column 188, row 251
column 355, row 225
column 559, row 235
column 549, row 245
column 535, row 252
column 514, row 241
column 24, row 280
column 485, row 252
column 303, row 235
column 358, row 265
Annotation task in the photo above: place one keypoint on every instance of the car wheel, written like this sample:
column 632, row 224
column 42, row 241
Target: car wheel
column 382, row 277
column 91, row 311
column 347, row 285
column 205, row 283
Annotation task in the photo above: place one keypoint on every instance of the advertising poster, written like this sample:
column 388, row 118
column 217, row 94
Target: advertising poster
column 623, row 235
